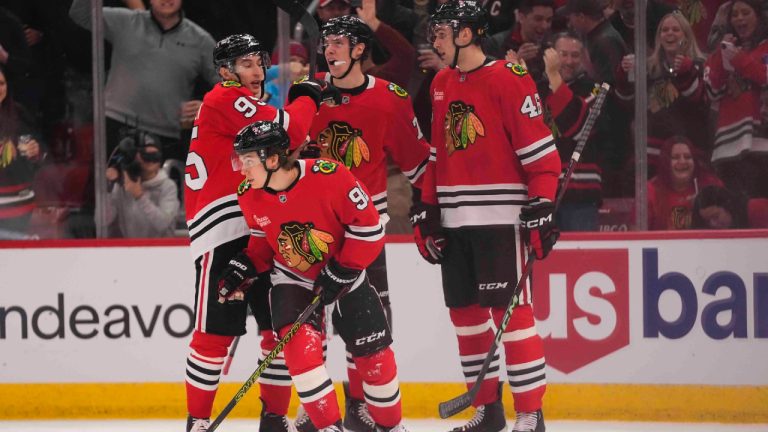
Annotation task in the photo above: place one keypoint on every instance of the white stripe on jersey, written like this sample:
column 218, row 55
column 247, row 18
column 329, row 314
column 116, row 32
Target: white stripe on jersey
column 479, row 205
column 536, row 150
column 217, row 223
column 365, row 233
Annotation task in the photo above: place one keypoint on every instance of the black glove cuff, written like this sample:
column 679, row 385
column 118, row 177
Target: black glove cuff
column 340, row 274
column 422, row 213
column 306, row 88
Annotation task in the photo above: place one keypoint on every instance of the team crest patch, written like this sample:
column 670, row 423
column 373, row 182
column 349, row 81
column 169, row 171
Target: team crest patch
column 517, row 69
column 301, row 245
column 341, row 142
column 324, row 166
column 462, row 126
column 396, row 89
column 243, row 187
column 231, row 84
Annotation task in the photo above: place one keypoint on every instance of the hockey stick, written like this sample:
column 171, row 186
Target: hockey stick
column 231, row 355
column 267, row 361
column 296, row 10
column 460, row 403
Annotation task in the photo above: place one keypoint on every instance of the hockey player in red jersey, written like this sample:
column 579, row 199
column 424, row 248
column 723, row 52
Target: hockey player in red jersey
column 375, row 120
column 313, row 224
column 494, row 172
column 217, row 229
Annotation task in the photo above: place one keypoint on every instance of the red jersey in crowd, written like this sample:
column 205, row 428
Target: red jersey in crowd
column 672, row 210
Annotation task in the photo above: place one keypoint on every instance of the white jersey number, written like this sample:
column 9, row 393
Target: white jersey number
column 530, row 108
column 196, row 183
column 358, row 197
column 243, row 105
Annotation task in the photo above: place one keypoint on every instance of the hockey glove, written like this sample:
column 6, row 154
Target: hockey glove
column 537, row 225
column 236, row 278
column 310, row 151
column 320, row 91
column 427, row 231
column 330, row 284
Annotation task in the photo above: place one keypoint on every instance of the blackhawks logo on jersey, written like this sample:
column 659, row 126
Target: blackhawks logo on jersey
column 342, row 142
column 396, row 89
column 301, row 245
column 324, row 166
column 517, row 69
column 243, row 187
column 462, row 126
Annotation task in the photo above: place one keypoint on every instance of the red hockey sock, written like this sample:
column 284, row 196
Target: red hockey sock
column 204, row 364
column 380, row 386
column 355, row 381
column 275, row 381
column 524, row 353
column 474, row 333
column 304, row 357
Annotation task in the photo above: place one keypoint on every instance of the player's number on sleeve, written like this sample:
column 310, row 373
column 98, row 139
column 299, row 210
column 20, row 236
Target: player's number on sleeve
column 196, row 182
column 531, row 106
column 358, row 197
column 243, row 105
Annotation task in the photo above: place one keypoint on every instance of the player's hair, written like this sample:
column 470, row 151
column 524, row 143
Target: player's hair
column 526, row 6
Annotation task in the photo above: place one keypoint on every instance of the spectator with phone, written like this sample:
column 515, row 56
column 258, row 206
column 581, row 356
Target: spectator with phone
column 676, row 95
column 736, row 77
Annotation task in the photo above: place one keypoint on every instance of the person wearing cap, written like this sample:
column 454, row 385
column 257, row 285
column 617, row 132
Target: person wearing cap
column 328, row 9
column 298, row 66
column 604, row 43
column 145, row 206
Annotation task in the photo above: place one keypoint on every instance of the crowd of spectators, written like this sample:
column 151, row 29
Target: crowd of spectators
column 707, row 101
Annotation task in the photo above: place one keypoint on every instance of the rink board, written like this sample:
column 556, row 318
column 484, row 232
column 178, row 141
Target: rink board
column 664, row 326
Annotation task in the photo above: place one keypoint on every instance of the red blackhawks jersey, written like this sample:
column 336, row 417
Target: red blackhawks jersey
column 213, row 216
column 373, row 121
column 326, row 213
column 491, row 149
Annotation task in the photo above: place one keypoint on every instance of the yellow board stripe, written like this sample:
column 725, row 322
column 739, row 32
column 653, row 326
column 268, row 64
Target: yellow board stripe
column 629, row 402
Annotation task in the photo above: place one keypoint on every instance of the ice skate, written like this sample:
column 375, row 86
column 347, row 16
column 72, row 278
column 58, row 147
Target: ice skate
column 274, row 422
column 487, row 418
column 357, row 418
column 529, row 422
column 303, row 423
column 398, row 428
column 197, row 424
column 333, row 428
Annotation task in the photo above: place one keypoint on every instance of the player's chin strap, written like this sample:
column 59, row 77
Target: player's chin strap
column 458, row 47
column 349, row 69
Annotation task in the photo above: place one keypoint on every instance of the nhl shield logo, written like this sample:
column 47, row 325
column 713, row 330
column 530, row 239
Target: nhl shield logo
column 283, row 198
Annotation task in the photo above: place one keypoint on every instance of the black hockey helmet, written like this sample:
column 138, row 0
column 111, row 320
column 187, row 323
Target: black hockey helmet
column 355, row 29
column 235, row 46
column 266, row 138
column 462, row 13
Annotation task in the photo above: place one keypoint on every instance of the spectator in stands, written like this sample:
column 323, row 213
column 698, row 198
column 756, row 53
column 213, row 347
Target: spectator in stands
column 143, row 203
column 20, row 155
column 526, row 38
column 604, row 44
column 671, row 192
column 156, row 57
column 567, row 93
column 298, row 66
column 398, row 66
column 736, row 78
column 676, row 94
column 606, row 49
column 623, row 20
column 14, row 52
column 716, row 207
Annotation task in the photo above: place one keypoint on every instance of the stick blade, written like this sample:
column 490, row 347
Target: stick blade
column 456, row 405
